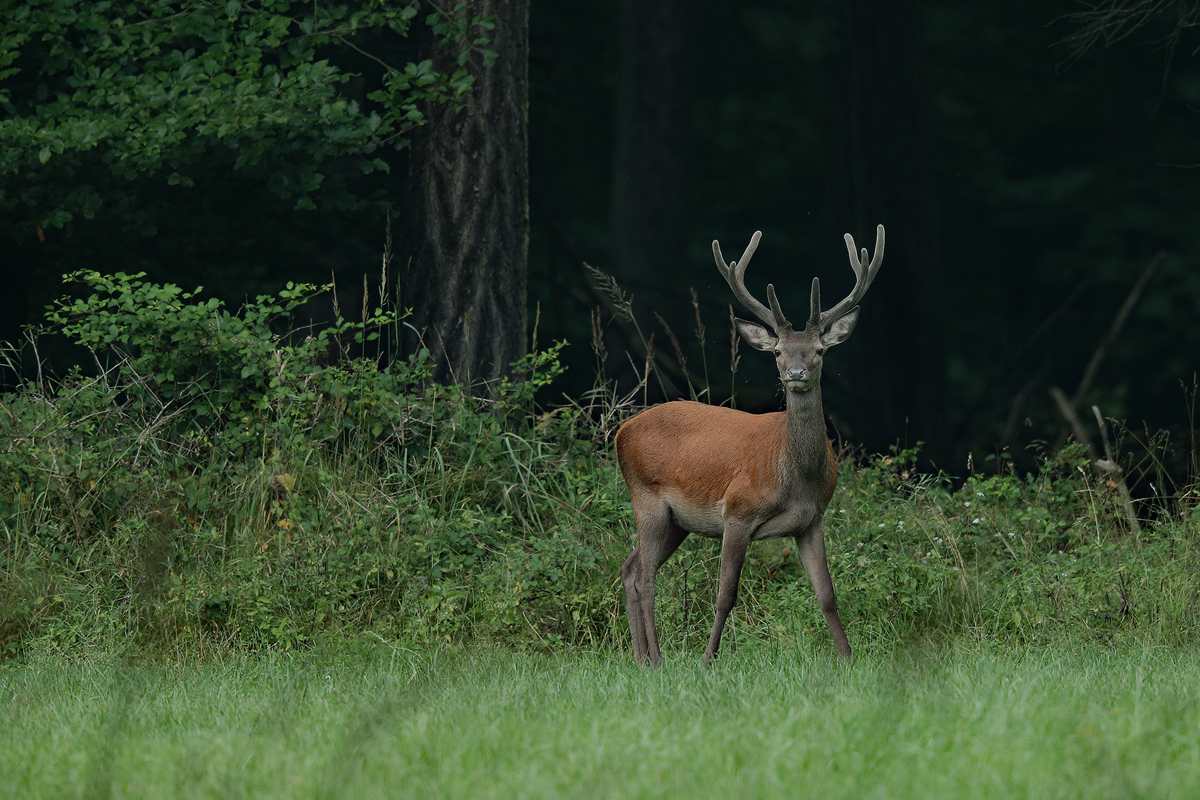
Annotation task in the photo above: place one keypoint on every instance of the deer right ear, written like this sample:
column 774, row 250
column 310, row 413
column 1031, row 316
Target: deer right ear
column 756, row 335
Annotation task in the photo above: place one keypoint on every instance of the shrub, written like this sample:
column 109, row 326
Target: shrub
column 223, row 480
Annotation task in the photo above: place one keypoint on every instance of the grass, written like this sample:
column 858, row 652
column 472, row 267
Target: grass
column 766, row 721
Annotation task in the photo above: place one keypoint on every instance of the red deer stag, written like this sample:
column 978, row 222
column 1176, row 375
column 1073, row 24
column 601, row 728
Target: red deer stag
column 738, row 477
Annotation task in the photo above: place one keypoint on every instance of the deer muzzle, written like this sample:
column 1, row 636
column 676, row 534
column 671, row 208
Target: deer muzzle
column 798, row 380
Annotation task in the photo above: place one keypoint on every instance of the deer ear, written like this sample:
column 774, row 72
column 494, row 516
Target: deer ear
column 756, row 335
column 840, row 329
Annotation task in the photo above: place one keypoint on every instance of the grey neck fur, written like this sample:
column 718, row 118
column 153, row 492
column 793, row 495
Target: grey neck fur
column 807, row 449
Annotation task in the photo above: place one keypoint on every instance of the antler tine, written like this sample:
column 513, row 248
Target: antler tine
column 814, row 305
column 735, row 275
column 780, row 320
column 861, row 281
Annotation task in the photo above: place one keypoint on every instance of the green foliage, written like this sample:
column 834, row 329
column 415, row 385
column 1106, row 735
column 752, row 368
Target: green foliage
column 1021, row 558
column 97, row 94
column 223, row 481
column 1016, row 559
column 216, row 373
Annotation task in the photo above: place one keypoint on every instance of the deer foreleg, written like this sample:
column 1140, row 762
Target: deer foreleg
column 733, row 555
column 811, row 545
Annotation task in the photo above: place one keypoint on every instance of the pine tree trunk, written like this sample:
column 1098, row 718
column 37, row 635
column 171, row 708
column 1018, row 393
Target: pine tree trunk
column 886, row 175
column 653, row 121
column 469, row 209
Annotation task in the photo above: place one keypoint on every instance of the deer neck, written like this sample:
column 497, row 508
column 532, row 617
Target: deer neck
column 807, row 450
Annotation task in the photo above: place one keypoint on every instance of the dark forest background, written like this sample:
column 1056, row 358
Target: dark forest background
column 1032, row 163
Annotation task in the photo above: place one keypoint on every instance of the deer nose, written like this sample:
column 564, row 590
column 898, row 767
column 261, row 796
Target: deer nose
column 797, row 374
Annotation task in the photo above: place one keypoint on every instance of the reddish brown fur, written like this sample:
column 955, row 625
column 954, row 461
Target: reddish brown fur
column 711, row 454
column 716, row 453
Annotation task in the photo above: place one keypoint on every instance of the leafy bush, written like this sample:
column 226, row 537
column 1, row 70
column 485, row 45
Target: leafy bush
column 223, row 481
column 219, row 481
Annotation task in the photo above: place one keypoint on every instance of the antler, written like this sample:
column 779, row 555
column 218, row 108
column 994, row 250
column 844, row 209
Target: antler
column 861, row 284
column 735, row 275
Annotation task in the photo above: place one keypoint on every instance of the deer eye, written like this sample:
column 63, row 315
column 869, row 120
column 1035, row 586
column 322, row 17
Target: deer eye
column 777, row 353
column 820, row 351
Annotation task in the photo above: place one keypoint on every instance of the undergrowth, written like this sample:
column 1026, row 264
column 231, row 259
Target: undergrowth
column 220, row 481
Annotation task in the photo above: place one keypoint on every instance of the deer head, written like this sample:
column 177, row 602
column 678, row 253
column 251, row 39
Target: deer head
column 799, row 354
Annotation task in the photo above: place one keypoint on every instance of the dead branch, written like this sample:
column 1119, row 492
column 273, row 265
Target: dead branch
column 1107, row 465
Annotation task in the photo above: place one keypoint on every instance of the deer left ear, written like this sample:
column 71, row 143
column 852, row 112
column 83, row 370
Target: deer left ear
column 840, row 329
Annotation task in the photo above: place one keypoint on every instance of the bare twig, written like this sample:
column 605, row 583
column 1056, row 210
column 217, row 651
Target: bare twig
column 616, row 300
column 1068, row 411
column 1017, row 409
column 1004, row 370
column 702, row 338
column 1109, row 465
column 1114, row 330
column 680, row 358
column 1190, row 402
column 1110, row 338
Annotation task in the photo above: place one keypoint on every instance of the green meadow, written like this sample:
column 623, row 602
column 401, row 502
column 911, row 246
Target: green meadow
column 486, row 722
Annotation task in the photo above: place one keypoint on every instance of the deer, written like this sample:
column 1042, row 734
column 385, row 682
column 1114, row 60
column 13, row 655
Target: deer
column 735, row 476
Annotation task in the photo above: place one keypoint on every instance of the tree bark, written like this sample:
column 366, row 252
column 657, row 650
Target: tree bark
column 21, row 269
column 469, row 208
column 886, row 175
column 653, row 121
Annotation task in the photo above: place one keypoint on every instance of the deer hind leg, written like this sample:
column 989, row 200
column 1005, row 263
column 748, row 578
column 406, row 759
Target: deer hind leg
column 630, row 571
column 658, row 537
column 733, row 555
column 811, row 545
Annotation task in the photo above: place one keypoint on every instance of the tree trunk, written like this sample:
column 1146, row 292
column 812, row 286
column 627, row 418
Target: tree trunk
column 653, row 120
column 469, row 208
column 885, row 175
column 21, row 273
